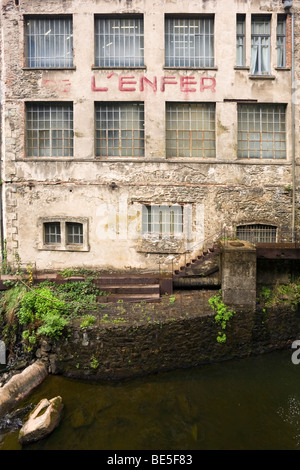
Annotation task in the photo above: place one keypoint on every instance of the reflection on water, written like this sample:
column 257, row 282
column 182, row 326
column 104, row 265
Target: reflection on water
column 250, row 403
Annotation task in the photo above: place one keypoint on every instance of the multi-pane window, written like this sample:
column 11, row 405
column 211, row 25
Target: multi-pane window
column 240, row 40
column 64, row 234
column 52, row 233
column 257, row 233
column 281, row 41
column 119, row 42
column 49, row 42
column 190, row 130
column 189, row 42
column 162, row 219
column 49, row 129
column 74, row 233
column 120, row 129
column 261, row 131
column 260, row 45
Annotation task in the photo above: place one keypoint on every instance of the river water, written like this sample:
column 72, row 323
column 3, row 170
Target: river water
column 251, row 403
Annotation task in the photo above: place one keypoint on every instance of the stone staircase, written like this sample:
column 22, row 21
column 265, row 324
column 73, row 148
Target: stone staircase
column 129, row 288
column 113, row 288
column 201, row 271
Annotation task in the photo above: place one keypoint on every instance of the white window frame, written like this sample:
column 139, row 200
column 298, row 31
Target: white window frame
column 260, row 45
column 64, row 244
column 162, row 220
column 189, row 41
column 119, row 41
column 241, row 40
column 49, row 41
column 281, row 41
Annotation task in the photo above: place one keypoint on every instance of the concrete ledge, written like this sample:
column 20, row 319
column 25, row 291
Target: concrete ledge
column 21, row 385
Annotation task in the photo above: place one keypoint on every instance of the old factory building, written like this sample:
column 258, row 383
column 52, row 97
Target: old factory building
column 136, row 131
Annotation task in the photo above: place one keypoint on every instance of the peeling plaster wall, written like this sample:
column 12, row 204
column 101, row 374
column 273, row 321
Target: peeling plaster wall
column 216, row 193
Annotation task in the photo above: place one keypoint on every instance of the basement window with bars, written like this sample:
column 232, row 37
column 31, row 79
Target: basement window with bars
column 49, row 129
column 189, row 42
column 49, row 42
column 162, row 219
column 119, row 129
column 119, row 42
column 64, row 233
column 190, row 130
column 257, row 233
column 262, row 131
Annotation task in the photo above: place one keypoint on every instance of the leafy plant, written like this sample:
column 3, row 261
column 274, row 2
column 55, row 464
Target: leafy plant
column 53, row 325
column 94, row 363
column 223, row 315
column 87, row 320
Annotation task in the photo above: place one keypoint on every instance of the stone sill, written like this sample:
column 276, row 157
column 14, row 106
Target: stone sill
column 142, row 67
column 262, row 77
column 33, row 69
column 201, row 161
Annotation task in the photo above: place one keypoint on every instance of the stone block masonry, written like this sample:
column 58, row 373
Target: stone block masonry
column 171, row 337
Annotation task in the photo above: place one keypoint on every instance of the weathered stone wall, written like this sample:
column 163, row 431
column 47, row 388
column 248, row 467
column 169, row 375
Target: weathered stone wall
column 120, row 350
column 216, row 193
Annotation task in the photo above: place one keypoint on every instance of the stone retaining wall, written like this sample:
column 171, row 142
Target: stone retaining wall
column 124, row 351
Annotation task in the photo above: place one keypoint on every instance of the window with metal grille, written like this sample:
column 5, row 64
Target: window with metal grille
column 257, row 233
column 49, row 129
column 162, row 219
column 281, row 51
column 189, row 42
column 74, row 233
column 261, row 131
column 49, row 42
column 260, row 45
column 119, row 42
column 190, row 130
column 120, row 129
column 240, row 40
column 52, row 233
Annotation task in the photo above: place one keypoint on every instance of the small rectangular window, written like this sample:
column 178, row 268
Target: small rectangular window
column 260, row 45
column 189, row 42
column 119, row 42
column 281, row 41
column 49, row 129
column 120, row 129
column 49, row 42
column 63, row 234
column 190, row 130
column 261, row 131
column 240, row 41
column 52, row 233
column 74, row 233
column 162, row 219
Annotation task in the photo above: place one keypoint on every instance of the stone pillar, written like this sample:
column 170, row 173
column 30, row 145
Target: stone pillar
column 239, row 274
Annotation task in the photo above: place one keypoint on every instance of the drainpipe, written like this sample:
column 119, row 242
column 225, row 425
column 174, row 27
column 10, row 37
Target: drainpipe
column 287, row 5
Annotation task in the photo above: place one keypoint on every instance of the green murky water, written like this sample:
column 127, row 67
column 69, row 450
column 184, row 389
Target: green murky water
column 250, row 403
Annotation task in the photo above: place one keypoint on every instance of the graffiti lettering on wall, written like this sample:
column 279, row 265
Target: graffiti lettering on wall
column 62, row 86
column 186, row 84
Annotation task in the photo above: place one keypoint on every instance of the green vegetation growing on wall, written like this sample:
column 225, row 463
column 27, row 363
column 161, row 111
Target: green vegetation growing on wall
column 223, row 315
column 282, row 294
column 44, row 310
